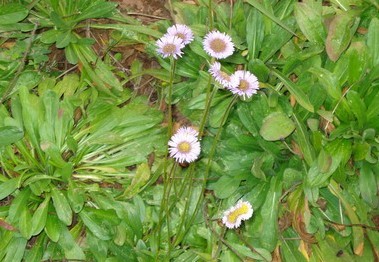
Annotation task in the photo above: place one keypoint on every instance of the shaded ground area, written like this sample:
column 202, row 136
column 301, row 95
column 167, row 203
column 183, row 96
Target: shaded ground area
column 144, row 7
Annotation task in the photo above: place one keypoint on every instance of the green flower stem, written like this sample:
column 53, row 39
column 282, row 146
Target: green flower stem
column 167, row 183
column 210, row 15
column 169, row 117
column 164, row 202
column 181, row 234
column 208, row 102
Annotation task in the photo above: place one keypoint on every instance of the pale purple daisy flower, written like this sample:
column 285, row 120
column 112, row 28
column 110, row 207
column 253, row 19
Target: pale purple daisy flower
column 218, row 45
column 236, row 214
column 247, row 83
column 170, row 46
column 222, row 77
column 181, row 31
column 184, row 146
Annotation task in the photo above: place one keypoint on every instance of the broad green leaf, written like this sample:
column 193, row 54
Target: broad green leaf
column 28, row 79
column 94, row 224
column 61, row 206
column 76, row 196
column 64, row 38
column 367, row 185
column 97, row 10
column 276, row 126
column 126, row 28
column 15, row 249
column 53, row 227
column 218, row 112
column 254, row 32
column 12, row 13
column 37, row 250
column 290, row 248
column 140, row 178
column 358, row 237
column 358, row 107
column 274, row 41
column 25, row 227
column 225, row 186
column 269, row 14
column 50, row 36
column 31, row 115
column 10, row 134
column 328, row 81
column 97, row 246
column 18, row 204
column 72, row 251
column 40, row 216
column 309, row 18
column 295, row 90
column 8, row 187
column 303, row 139
column 269, row 213
column 341, row 31
column 246, row 118
column 373, row 41
column 54, row 154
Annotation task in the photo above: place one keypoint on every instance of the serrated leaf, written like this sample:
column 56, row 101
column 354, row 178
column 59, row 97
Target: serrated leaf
column 276, row 126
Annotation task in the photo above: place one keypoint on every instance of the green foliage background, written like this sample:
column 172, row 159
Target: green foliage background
column 84, row 172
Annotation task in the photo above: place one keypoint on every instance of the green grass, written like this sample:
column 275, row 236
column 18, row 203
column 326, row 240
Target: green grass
column 85, row 173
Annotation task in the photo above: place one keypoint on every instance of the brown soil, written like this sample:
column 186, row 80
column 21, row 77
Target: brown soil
column 144, row 9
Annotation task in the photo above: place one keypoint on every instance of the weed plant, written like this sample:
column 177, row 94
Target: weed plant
column 264, row 148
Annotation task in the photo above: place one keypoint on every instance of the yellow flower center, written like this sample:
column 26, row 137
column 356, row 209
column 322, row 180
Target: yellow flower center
column 184, row 147
column 218, row 45
column 169, row 48
column 233, row 216
column 180, row 35
column 244, row 85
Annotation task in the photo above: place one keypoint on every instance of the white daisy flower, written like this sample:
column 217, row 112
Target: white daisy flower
column 181, row 31
column 247, row 83
column 218, row 45
column 184, row 146
column 170, row 46
column 221, row 77
column 235, row 215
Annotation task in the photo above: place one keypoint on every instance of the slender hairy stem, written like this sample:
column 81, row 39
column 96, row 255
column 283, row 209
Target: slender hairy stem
column 208, row 102
column 207, row 170
column 210, row 15
column 166, row 176
column 169, row 98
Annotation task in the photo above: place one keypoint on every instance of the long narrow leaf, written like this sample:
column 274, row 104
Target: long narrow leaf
column 264, row 11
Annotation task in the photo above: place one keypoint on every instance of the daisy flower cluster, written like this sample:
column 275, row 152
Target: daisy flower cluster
column 242, row 83
column 172, row 43
column 236, row 214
